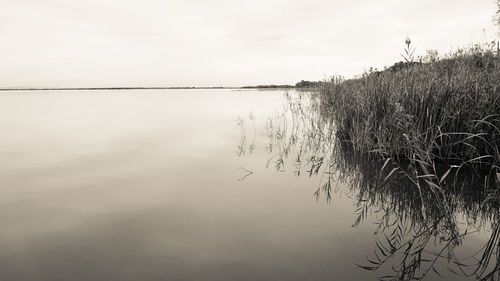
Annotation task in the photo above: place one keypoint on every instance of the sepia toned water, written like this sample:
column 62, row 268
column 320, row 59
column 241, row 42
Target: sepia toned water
column 168, row 185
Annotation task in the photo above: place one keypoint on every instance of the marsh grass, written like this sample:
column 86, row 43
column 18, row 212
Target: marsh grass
column 418, row 146
column 418, row 227
column 431, row 133
column 438, row 116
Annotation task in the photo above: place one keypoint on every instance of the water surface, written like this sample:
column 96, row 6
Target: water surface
column 167, row 185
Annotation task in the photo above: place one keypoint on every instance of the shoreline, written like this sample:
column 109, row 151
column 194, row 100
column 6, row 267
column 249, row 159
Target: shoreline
column 143, row 88
column 111, row 88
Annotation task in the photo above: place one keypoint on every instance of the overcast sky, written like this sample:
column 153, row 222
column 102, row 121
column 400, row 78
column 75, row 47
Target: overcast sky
column 69, row 43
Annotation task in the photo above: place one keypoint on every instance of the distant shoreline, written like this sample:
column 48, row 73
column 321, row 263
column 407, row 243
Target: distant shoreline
column 143, row 88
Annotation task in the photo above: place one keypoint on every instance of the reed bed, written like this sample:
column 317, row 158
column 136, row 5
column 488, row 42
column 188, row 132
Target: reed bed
column 418, row 230
column 440, row 112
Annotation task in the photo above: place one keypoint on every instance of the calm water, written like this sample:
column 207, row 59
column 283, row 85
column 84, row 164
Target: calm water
column 150, row 185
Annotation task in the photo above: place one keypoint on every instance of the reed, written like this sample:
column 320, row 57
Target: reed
column 435, row 113
column 418, row 230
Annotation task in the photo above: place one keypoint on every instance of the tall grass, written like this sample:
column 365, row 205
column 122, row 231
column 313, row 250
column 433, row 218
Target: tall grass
column 435, row 113
column 416, row 235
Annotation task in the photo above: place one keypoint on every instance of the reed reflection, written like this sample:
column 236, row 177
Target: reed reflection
column 243, row 147
column 422, row 220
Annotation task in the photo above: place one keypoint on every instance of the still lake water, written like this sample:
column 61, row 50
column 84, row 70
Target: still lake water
column 150, row 185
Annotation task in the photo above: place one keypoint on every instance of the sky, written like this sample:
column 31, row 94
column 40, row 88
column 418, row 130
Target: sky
column 103, row 43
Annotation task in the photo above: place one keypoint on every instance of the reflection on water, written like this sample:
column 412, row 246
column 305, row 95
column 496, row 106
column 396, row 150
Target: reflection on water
column 420, row 234
column 182, row 185
column 242, row 147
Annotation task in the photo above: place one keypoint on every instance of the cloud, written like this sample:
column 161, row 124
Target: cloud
column 168, row 43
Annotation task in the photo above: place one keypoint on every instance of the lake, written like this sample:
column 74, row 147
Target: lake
column 194, row 185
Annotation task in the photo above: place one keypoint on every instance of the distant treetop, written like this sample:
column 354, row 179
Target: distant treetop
column 308, row 84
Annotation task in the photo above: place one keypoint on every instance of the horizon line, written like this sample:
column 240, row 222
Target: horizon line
column 141, row 88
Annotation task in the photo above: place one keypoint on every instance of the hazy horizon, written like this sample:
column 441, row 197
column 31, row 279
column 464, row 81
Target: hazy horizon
column 222, row 43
